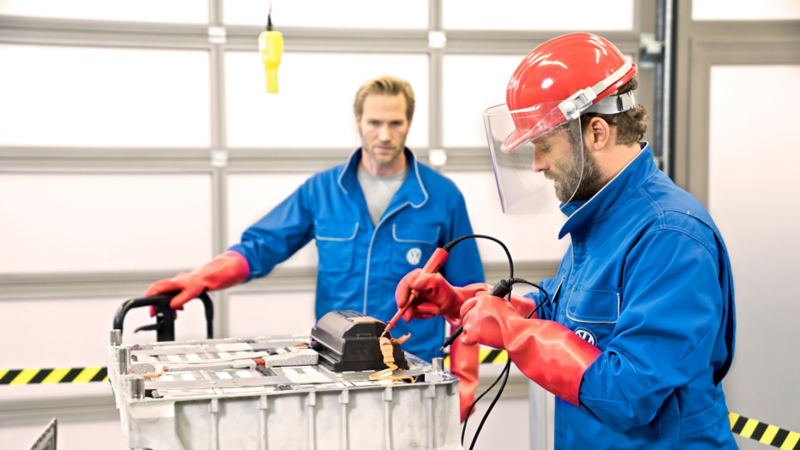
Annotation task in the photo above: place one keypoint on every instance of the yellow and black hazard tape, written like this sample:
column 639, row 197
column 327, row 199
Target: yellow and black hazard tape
column 764, row 433
column 53, row 376
column 487, row 356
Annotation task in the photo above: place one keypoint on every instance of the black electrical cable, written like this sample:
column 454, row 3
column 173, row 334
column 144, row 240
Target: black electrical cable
column 447, row 247
column 504, row 375
column 514, row 281
column 455, row 241
column 506, row 370
column 507, row 367
column 503, row 372
column 450, row 339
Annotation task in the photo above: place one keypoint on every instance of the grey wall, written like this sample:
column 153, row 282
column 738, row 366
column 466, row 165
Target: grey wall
column 735, row 150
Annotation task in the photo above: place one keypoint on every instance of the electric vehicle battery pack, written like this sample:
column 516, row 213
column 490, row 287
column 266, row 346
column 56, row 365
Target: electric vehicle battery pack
column 348, row 340
column 271, row 392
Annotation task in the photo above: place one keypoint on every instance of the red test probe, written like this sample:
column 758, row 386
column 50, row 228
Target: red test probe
column 433, row 265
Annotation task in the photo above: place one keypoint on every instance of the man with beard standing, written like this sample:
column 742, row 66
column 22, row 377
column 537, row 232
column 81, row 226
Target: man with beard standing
column 636, row 331
column 374, row 219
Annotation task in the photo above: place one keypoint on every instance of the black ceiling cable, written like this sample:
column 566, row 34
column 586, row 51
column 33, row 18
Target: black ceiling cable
column 507, row 284
column 269, row 17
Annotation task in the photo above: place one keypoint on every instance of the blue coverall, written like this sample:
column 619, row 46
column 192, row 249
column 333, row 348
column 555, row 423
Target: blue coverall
column 648, row 281
column 360, row 263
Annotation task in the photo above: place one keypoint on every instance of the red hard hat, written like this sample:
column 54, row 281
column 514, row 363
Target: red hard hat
column 573, row 71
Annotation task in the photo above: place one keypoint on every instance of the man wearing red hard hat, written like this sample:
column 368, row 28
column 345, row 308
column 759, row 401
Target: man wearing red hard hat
column 637, row 328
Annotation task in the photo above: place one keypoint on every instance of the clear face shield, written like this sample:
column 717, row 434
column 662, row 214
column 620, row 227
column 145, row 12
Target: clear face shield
column 537, row 156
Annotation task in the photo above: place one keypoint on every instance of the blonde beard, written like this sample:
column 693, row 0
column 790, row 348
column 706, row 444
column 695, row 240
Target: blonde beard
column 369, row 150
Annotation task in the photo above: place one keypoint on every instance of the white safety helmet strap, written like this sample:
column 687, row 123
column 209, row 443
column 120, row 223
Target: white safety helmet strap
column 581, row 101
column 614, row 104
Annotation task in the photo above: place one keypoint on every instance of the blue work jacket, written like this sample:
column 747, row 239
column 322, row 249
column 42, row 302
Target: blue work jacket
column 360, row 263
column 648, row 281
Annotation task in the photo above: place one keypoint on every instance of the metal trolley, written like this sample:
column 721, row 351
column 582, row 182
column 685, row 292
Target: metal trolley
column 276, row 392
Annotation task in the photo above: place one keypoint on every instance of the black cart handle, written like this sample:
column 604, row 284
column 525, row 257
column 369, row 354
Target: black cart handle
column 165, row 319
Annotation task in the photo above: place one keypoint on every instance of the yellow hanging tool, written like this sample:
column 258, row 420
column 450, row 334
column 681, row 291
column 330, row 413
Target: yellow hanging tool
column 270, row 44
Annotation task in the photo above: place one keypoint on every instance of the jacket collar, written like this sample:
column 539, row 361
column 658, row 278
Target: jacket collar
column 612, row 195
column 412, row 189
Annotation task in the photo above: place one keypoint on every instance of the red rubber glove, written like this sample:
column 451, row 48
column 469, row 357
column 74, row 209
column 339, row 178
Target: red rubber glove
column 226, row 270
column 545, row 351
column 464, row 362
column 523, row 305
column 436, row 296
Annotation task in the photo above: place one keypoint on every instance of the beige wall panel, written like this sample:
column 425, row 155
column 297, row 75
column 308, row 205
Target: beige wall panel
column 50, row 333
column 273, row 313
column 760, row 10
column 507, row 426
column 485, row 78
column 753, row 162
column 99, row 97
column 326, row 14
column 174, row 11
column 311, row 111
column 103, row 222
column 252, row 196
column 579, row 15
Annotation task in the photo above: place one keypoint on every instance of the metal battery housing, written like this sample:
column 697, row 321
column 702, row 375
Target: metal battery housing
column 291, row 402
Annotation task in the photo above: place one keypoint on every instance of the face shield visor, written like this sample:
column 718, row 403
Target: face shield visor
column 537, row 155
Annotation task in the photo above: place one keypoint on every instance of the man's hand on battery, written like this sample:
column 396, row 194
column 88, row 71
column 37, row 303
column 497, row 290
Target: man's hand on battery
column 226, row 270
column 436, row 297
column 182, row 282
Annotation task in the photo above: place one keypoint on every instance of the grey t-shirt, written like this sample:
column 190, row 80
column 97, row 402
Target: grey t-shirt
column 378, row 191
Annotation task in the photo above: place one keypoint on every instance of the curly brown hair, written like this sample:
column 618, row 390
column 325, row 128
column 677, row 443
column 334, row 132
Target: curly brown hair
column 631, row 125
